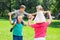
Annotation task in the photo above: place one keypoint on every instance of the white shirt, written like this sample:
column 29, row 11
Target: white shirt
column 40, row 17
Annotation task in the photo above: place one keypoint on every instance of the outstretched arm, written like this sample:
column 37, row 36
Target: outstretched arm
column 10, row 19
column 50, row 17
column 34, row 13
column 11, row 13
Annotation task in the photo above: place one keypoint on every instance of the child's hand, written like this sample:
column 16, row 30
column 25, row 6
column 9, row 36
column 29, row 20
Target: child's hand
column 9, row 14
column 29, row 16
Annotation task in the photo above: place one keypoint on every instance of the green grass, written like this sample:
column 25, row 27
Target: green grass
column 53, row 31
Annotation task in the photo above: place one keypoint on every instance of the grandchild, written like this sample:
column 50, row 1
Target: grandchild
column 40, row 28
column 17, row 31
column 39, row 14
column 20, row 12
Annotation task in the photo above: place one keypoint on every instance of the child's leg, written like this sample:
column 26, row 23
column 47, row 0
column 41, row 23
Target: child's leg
column 41, row 38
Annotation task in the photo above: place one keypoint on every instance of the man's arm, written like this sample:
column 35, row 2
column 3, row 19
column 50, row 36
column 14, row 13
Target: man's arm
column 50, row 17
column 10, row 19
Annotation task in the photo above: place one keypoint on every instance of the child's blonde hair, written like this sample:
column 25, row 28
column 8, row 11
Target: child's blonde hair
column 39, row 7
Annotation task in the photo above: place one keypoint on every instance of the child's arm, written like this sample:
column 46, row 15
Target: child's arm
column 50, row 18
column 10, row 19
column 45, row 12
column 34, row 14
column 11, row 13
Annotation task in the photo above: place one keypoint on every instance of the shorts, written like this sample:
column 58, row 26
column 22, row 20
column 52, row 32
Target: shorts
column 14, row 20
column 17, row 37
column 41, row 38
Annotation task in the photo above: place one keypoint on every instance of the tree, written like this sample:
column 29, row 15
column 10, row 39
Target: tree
column 4, row 5
column 58, row 6
column 30, row 4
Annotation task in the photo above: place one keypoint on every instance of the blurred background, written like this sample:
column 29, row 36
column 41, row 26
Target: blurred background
column 6, row 6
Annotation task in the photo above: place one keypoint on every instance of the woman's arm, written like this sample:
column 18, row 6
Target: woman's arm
column 50, row 17
column 30, row 20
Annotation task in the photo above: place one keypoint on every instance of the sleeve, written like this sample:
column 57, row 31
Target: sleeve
column 14, row 12
column 26, row 14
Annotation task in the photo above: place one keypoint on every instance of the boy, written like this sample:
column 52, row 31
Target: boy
column 17, row 31
column 20, row 12
column 40, row 28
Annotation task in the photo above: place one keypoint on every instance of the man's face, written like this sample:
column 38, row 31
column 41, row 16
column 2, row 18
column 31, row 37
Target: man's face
column 19, row 19
column 22, row 10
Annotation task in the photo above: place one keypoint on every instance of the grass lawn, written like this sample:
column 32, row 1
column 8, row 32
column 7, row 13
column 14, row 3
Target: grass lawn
column 53, row 31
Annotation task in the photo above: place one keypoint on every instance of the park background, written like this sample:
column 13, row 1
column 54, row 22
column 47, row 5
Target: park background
column 53, row 31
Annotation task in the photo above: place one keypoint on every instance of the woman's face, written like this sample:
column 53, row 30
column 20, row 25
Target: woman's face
column 19, row 19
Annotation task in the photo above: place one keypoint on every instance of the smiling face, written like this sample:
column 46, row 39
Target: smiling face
column 19, row 19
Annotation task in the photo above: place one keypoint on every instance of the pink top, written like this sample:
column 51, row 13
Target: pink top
column 40, row 29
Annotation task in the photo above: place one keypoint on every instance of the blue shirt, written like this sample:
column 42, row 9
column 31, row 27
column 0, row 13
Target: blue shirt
column 18, row 29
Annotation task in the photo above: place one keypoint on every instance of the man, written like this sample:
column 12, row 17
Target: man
column 17, row 31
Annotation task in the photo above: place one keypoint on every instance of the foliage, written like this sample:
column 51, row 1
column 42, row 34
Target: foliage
column 11, row 5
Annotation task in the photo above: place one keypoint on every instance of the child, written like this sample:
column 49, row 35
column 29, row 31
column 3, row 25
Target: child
column 17, row 31
column 20, row 12
column 40, row 28
column 40, row 18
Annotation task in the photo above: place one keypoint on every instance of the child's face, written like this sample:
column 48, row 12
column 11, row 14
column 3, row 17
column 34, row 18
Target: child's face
column 39, row 8
column 22, row 10
column 19, row 19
